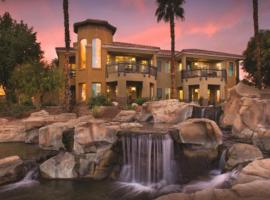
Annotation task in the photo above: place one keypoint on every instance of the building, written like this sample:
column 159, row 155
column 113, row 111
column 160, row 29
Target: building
column 124, row 71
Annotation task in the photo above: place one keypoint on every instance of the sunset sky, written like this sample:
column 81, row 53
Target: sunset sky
column 222, row 25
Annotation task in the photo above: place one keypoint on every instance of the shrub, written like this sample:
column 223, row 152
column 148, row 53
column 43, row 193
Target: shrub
column 97, row 111
column 141, row 101
column 15, row 110
column 99, row 100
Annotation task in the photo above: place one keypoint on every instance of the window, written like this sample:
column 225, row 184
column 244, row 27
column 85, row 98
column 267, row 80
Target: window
column 2, row 92
column 181, row 95
column 167, row 93
column 159, row 93
column 167, row 67
column 82, row 90
column 83, row 44
column 180, row 67
column 96, row 89
column 231, row 69
column 96, row 53
column 159, row 65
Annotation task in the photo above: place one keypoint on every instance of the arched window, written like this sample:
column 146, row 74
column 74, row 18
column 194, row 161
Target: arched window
column 83, row 44
column 96, row 53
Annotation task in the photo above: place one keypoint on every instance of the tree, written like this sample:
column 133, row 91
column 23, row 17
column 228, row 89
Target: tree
column 67, row 45
column 17, row 45
column 250, row 61
column 168, row 11
column 257, row 39
column 34, row 79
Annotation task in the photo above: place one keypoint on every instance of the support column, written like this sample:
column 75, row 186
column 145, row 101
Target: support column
column 222, row 93
column 186, row 93
column 184, row 62
column 146, row 89
column 204, row 93
column 121, row 91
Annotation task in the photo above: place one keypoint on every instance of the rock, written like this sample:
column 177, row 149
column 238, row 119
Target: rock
column 241, row 154
column 98, row 165
column 125, row 116
column 50, row 137
column 41, row 113
column 261, row 139
column 144, row 117
column 11, row 169
column 114, row 103
column 3, row 121
column 201, row 131
column 130, row 125
column 61, row 166
column 32, row 136
column 168, row 111
column 14, row 132
column 256, row 170
column 89, row 134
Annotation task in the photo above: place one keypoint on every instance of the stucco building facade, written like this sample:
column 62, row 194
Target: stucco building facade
column 124, row 71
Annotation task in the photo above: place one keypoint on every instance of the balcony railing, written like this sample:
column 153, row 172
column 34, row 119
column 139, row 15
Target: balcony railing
column 129, row 67
column 211, row 73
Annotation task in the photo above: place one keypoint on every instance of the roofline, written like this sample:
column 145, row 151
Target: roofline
column 95, row 22
column 130, row 48
column 64, row 50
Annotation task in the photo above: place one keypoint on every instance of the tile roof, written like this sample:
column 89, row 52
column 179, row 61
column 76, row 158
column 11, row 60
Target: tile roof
column 211, row 53
column 164, row 52
column 124, row 44
column 95, row 22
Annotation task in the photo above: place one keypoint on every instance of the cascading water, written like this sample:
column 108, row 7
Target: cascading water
column 147, row 159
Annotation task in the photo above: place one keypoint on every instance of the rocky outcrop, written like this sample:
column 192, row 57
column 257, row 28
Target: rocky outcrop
column 242, row 154
column 168, row 111
column 253, row 182
column 61, row 166
column 125, row 116
column 89, row 135
column 202, row 132
column 11, row 169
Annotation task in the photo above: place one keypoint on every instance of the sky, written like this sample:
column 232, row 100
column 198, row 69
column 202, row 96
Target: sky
column 221, row 25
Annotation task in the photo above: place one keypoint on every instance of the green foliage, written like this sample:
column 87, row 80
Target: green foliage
column 141, row 101
column 99, row 100
column 168, row 9
column 18, row 46
column 97, row 111
column 250, row 58
column 35, row 79
column 15, row 110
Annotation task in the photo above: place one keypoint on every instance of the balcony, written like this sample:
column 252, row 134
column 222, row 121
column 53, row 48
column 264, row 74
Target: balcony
column 130, row 67
column 204, row 73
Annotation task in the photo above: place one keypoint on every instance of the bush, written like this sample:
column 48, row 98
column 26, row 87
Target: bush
column 99, row 100
column 141, row 101
column 15, row 110
column 97, row 111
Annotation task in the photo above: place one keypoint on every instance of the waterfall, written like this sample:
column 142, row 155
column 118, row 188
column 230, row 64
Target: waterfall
column 147, row 159
column 222, row 160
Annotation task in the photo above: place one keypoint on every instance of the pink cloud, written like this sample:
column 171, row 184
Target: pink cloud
column 208, row 29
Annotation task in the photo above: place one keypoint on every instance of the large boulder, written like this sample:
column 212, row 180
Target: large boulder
column 11, row 169
column 125, row 116
column 12, row 132
column 61, row 166
column 242, row 154
column 50, row 137
column 200, row 131
column 89, row 135
column 168, row 111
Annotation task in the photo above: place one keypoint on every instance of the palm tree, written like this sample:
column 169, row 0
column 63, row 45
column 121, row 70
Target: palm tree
column 168, row 11
column 67, row 45
column 257, row 42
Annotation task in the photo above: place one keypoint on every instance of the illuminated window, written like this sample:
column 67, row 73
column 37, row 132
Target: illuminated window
column 180, row 67
column 218, row 96
column 109, row 59
column 82, row 89
column 167, row 67
column 167, row 93
column 96, row 89
column 231, row 69
column 2, row 92
column 125, row 59
column 181, row 95
column 83, row 44
column 96, row 53
column 219, row 66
